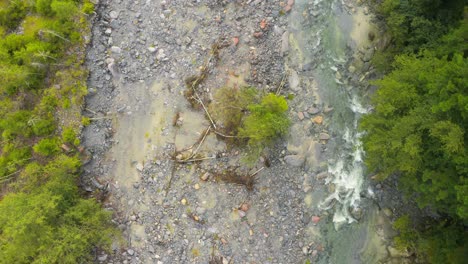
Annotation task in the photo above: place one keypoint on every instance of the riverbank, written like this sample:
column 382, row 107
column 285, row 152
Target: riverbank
column 141, row 55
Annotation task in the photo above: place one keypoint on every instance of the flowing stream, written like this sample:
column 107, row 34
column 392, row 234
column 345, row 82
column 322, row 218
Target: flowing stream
column 326, row 36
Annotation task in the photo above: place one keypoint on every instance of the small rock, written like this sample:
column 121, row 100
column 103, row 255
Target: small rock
column 284, row 42
column 102, row 257
column 322, row 175
column 183, row 201
column 130, row 251
column 324, row 136
column 244, row 207
column 313, row 110
column 152, row 49
column 305, row 250
column 139, row 166
column 387, row 212
column 133, row 217
column 318, row 120
column 116, row 50
column 205, row 176
column 258, row 34
column 114, row 14
column 235, row 41
column 241, row 213
column 294, row 160
column 196, row 186
column 314, row 253
column 294, row 81
column 300, row 115
column 315, row 219
column 327, row 109
column 108, row 31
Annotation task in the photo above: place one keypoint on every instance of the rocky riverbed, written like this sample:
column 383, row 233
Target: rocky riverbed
column 181, row 212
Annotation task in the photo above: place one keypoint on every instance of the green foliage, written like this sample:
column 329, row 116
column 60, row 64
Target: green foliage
column 43, row 218
column 47, row 146
column 418, row 24
column 247, row 115
column 437, row 243
column 419, row 129
column 51, row 223
column 87, row 8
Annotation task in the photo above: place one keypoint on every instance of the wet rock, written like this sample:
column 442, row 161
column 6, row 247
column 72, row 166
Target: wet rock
column 324, row 136
column 368, row 55
column 388, row 212
column 294, row 160
column 322, row 175
column 315, row 219
column 318, row 120
column 313, row 110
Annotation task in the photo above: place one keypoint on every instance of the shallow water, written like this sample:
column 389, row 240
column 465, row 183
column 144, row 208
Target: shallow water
column 326, row 37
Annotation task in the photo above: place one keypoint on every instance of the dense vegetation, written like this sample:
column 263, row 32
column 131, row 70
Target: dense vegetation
column 251, row 118
column 43, row 217
column 419, row 129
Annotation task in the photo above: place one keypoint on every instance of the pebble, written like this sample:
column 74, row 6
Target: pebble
column 114, row 14
column 152, row 49
column 318, row 120
column 102, row 257
column 130, row 251
column 116, row 50
column 324, row 136
column 313, row 110
column 183, row 201
column 196, row 186
column 300, row 115
column 294, row 160
column 139, row 166
column 315, row 219
column 205, row 176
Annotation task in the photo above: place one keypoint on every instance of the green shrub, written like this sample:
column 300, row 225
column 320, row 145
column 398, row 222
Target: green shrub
column 87, row 7
column 47, row 147
column 69, row 136
column 257, row 120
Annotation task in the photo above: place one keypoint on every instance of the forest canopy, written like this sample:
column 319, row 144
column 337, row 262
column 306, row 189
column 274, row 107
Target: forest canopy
column 419, row 127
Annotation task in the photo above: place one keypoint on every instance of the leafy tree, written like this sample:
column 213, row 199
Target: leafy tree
column 47, row 146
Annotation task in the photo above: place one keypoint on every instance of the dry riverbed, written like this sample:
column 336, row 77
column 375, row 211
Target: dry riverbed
column 169, row 212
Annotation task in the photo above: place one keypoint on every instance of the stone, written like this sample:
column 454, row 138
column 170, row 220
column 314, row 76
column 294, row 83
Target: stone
column 305, row 250
column 241, row 213
column 183, row 201
column 139, row 166
column 322, row 175
column 313, row 110
column 205, row 176
column 116, row 50
column 318, row 120
column 294, row 81
column 244, row 207
column 108, row 31
column 196, row 186
column 152, row 49
column 294, row 160
column 284, row 42
column 114, row 14
column 388, row 212
column 130, row 251
column 133, row 217
column 324, row 136
column 315, row 219
column 300, row 115
column 102, row 258
column 368, row 55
